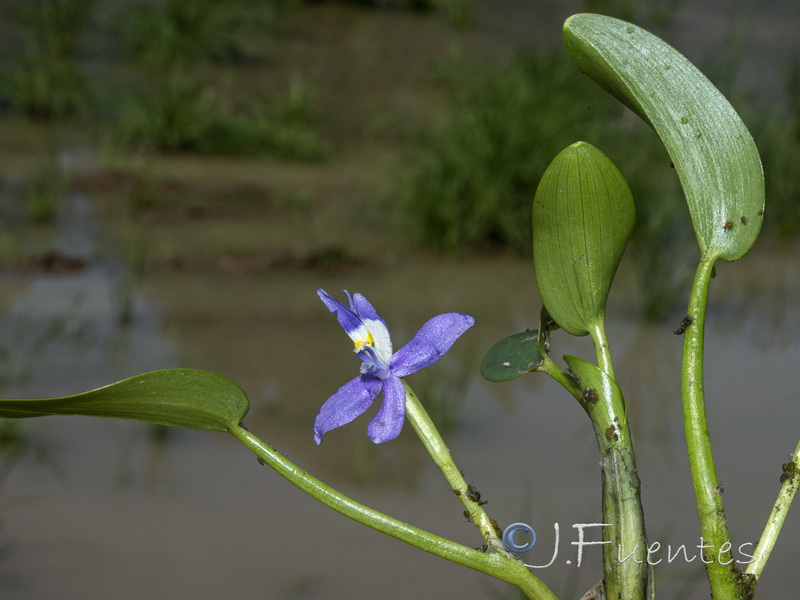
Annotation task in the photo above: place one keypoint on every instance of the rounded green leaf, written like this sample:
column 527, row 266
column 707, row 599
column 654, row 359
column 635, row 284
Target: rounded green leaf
column 177, row 397
column 712, row 150
column 512, row 356
column 583, row 215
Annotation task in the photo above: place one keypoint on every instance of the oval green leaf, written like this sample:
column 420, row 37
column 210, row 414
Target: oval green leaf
column 176, row 397
column 512, row 356
column 712, row 150
column 583, row 216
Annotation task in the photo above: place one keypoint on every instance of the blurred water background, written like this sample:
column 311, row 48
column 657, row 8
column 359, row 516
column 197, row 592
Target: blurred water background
column 178, row 179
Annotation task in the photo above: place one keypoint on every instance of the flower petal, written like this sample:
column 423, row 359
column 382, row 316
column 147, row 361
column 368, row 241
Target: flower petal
column 347, row 316
column 430, row 343
column 352, row 399
column 389, row 421
column 362, row 324
column 382, row 341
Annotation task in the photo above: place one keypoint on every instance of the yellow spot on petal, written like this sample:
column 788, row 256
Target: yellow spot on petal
column 361, row 344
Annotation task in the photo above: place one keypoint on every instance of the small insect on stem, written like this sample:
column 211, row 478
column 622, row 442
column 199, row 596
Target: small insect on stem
column 590, row 395
column 728, row 226
column 474, row 495
column 790, row 469
column 496, row 526
column 685, row 322
column 547, row 327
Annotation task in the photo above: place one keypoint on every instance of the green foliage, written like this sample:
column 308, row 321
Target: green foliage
column 712, row 150
column 177, row 31
column 44, row 192
column 511, row 357
column 473, row 184
column 175, row 397
column 779, row 141
column 583, row 217
column 182, row 116
column 58, row 27
column 47, row 83
column 45, row 88
column 458, row 12
column 174, row 119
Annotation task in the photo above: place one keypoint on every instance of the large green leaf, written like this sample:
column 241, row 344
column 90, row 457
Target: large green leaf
column 712, row 150
column 177, row 397
column 583, row 215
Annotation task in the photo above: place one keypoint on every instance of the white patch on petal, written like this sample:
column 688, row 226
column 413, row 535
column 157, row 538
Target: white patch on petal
column 381, row 341
column 372, row 334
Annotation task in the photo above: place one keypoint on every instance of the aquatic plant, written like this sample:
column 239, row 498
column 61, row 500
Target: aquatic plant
column 45, row 88
column 45, row 190
column 173, row 118
column 48, row 83
column 583, row 216
column 458, row 12
column 175, row 32
column 181, row 115
column 470, row 183
column 381, row 369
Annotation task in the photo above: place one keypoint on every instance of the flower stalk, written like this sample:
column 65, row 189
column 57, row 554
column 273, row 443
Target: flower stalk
column 491, row 563
column 439, row 452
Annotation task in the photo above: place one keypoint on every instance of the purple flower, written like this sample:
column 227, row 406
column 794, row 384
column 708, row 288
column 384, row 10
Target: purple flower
column 381, row 369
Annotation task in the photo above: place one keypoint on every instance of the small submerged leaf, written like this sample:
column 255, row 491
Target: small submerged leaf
column 583, row 216
column 593, row 377
column 596, row 384
column 177, row 397
column 512, row 356
column 712, row 150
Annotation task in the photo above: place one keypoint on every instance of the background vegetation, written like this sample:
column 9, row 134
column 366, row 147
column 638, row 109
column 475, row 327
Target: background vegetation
column 147, row 79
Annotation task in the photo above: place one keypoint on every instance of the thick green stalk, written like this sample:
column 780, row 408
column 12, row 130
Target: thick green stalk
column 494, row 564
column 791, row 480
column 726, row 580
column 625, row 568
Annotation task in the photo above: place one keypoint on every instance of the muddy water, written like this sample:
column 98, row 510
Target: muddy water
column 125, row 510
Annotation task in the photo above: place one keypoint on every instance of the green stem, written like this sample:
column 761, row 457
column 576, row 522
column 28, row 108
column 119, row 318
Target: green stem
column 726, row 580
column 439, row 452
column 495, row 564
column 625, row 569
column 598, row 333
column 777, row 516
